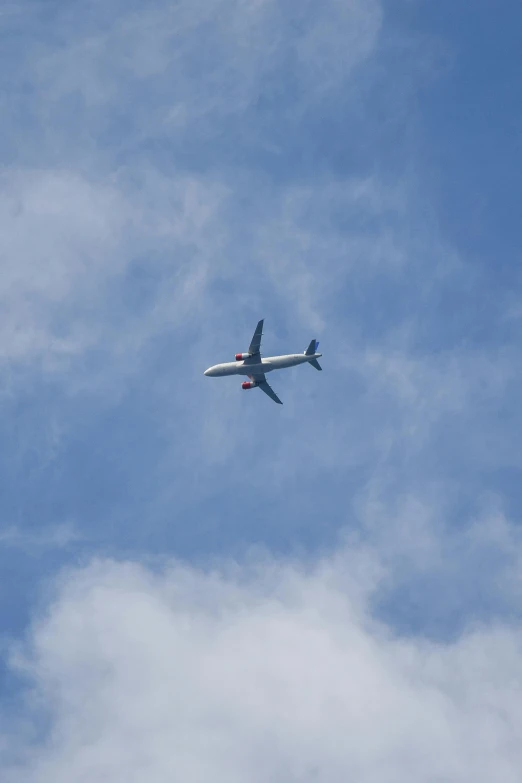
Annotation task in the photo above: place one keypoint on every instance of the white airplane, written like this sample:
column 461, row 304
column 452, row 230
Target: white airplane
column 255, row 367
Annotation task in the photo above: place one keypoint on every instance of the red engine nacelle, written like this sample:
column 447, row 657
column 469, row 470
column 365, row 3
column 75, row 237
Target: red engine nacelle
column 241, row 356
column 249, row 384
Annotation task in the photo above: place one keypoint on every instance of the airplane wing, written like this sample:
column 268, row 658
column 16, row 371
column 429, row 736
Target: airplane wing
column 265, row 386
column 255, row 345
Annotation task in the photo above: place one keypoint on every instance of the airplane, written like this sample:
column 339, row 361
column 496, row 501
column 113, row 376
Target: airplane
column 252, row 365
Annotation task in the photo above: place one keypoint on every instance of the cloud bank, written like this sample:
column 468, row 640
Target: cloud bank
column 269, row 671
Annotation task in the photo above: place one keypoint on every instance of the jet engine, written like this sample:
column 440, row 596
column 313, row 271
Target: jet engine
column 249, row 384
column 241, row 356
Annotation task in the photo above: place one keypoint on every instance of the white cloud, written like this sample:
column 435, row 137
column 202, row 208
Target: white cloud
column 269, row 672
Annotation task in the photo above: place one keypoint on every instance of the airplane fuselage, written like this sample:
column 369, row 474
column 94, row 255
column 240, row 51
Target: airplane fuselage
column 256, row 366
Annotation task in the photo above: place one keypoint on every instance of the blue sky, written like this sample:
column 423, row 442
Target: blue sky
column 199, row 584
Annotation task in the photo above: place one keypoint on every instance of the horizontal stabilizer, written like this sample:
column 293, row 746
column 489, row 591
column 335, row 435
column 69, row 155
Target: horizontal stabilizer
column 315, row 364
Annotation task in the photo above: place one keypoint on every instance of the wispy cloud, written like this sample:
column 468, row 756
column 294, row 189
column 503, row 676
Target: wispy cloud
column 84, row 214
column 32, row 541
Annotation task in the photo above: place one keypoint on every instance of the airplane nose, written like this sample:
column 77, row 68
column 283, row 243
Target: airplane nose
column 207, row 372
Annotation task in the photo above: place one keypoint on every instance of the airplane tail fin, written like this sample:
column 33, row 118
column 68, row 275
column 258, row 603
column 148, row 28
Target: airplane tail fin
column 311, row 351
column 312, row 348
